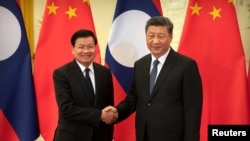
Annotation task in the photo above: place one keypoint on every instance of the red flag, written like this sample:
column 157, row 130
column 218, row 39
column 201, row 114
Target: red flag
column 249, row 76
column 211, row 36
column 61, row 19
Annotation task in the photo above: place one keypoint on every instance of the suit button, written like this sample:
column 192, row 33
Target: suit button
column 149, row 104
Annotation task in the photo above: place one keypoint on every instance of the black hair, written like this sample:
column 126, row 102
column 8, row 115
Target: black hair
column 160, row 21
column 83, row 33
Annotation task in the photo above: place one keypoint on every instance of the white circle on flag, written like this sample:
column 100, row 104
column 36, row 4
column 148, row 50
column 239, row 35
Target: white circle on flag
column 127, row 41
column 10, row 33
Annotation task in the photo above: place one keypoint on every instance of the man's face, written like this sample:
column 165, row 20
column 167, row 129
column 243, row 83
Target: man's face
column 84, row 50
column 158, row 40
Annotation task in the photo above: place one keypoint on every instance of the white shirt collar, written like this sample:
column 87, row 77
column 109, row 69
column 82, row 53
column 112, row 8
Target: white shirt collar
column 162, row 58
column 83, row 67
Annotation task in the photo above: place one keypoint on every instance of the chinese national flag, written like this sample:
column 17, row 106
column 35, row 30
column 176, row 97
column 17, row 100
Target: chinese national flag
column 211, row 36
column 61, row 19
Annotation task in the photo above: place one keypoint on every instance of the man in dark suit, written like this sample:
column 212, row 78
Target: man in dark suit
column 81, row 106
column 172, row 111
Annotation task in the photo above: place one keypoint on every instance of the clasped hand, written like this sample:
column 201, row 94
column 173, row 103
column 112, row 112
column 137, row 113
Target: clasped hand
column 109, row 115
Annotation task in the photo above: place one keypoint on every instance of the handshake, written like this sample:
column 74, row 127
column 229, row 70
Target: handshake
column 109, row 115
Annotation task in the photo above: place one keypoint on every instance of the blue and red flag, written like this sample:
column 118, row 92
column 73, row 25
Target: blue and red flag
column 126, row 44
column 18, row 116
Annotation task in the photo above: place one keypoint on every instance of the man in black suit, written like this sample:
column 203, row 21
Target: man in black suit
column 81, row 106
column 172, row 111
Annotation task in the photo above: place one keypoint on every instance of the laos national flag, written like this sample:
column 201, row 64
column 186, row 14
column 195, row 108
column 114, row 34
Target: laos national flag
column 127, row 43
column 18, row 116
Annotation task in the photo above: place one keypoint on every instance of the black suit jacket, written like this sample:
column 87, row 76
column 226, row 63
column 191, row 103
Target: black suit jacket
column 173, row 111
column 79, row 120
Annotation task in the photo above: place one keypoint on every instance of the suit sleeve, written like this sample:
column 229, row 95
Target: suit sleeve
column 192, row 97
column 128, row 105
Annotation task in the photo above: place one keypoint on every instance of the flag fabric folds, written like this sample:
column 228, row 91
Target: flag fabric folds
column 18, row 115
column 211, row 36
column 61, row 19
column 127, row 43
column 248, row 74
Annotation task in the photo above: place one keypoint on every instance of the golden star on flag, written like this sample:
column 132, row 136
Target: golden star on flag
column 231, row 1
column 52, row 8
column 215, row 13
column 195, row 9
column 87, row 1
column 71, row 12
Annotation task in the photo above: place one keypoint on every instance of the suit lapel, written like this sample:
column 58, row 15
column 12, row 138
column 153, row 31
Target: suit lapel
column 146, row 73
column 98, row 82
column 79, row 77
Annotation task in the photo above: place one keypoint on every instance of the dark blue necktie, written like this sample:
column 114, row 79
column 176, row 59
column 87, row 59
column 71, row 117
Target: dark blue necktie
column 153, row 75
column 89, row 84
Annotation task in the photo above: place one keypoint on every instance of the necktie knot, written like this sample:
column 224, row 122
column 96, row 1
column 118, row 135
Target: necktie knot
column 156, row 62
column 87, row 72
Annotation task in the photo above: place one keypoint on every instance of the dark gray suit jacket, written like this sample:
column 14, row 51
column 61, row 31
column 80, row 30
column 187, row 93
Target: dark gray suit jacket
column 173, row 112
column 79, row 120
